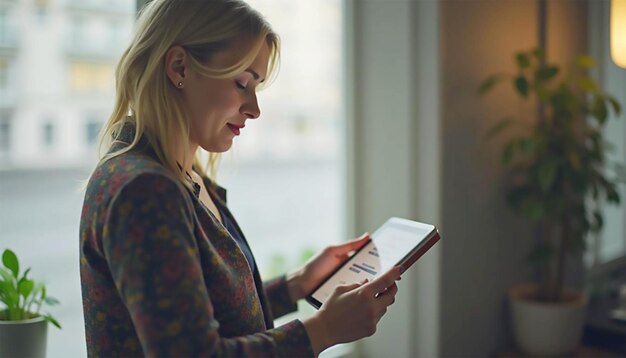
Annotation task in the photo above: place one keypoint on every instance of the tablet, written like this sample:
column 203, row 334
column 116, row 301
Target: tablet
column 397, row 242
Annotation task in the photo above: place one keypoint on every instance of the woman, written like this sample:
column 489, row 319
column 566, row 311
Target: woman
column 165, row 270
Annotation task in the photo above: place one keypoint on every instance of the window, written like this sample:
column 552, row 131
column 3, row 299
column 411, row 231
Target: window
column 91, row 78
column 292, row 151
column 92, row 129
column 3, row 26
column 41, row 9
column 117, row 34
column 78, row 30
column 48, row 134
column 4, row 74
column 283, row 175
column 5, row 134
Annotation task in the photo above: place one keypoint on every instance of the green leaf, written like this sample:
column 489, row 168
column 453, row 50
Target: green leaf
column 24, row 277
column 507, row 153
column 543, row 93
column 7, row 276
column 616, row 106
column 25, row 273
column 612, row 196
column 526, row 145
column 51, row 301
column 5, row 289
column 587, row 84
column 598, row 221
column 546, row 174
column 490, row 82
column 599, row 110
column 561, row 100
column 8, row 286
column 585, row 61
column 521, row 85
column 535, row 210
column 539, row 53
column 9, row 259
column 25, row 287
column 498, row 127
column 52, row 320
column 522, row 60
column 546, row 73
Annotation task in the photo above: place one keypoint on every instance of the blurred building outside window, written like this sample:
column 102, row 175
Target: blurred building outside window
column 92, row 128
column 5, row 134
column 4, row 75
column 3, row 25
column 48, row 135
column 282, row 174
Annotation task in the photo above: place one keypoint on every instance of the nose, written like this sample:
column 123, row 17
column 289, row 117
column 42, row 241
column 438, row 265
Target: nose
column 251, row 108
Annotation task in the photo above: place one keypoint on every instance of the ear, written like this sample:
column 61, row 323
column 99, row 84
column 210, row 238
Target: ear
column 176, row 65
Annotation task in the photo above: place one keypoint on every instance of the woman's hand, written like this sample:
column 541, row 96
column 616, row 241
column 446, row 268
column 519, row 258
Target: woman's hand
column 352, row 311
column 304, row 280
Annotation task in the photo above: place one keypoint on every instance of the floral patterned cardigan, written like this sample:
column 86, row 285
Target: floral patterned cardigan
column 162, row 277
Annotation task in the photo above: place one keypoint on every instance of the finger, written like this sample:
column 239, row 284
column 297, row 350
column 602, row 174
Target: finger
column 384, row 281
column 347, row 288
column 388, row 296
column 353, row 244
column 381, row 314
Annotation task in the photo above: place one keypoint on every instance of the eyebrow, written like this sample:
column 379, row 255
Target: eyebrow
column 254, row 75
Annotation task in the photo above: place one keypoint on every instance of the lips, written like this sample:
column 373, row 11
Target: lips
column 235, row 128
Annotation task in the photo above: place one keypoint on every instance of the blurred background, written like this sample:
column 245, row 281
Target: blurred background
column 375, row 113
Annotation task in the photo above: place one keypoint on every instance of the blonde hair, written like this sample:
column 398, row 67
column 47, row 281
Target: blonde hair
column 144, row 94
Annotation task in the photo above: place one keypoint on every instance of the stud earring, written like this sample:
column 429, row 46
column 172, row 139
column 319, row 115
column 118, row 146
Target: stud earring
column 180, row 85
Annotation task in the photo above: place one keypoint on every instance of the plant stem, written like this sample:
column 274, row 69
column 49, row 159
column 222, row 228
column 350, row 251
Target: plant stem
column 38, row 306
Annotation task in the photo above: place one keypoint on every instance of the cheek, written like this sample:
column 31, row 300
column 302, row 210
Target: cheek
column 225, row 102
column 213, row 110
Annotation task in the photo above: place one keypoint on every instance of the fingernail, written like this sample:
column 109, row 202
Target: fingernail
column 401, row 269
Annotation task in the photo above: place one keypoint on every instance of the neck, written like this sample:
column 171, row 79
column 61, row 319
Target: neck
column 186, row 158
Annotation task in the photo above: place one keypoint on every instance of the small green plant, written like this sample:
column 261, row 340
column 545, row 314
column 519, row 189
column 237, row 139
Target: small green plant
column 556, row 160
column 23, row 297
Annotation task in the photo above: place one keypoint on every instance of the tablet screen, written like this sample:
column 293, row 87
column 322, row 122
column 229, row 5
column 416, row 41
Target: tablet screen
column 389, row 246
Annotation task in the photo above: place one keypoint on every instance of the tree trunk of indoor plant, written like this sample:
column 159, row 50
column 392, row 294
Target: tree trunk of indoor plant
column 24, row 339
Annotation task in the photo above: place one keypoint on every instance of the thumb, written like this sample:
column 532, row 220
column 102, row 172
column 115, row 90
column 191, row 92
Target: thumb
column 354, row 244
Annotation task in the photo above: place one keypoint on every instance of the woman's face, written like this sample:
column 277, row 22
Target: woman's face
column 219, row 108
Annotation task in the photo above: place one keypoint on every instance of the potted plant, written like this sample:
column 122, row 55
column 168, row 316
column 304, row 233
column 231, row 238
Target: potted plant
column 555, row 174
column 23, row 328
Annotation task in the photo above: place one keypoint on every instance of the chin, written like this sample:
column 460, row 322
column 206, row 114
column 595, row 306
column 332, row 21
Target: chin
column 221, row 148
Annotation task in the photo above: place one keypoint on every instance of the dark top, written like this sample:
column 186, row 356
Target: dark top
column 161, row 276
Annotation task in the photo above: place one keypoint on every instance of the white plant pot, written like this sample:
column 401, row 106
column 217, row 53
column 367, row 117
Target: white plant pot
column 546, row 328
column 23, row 339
